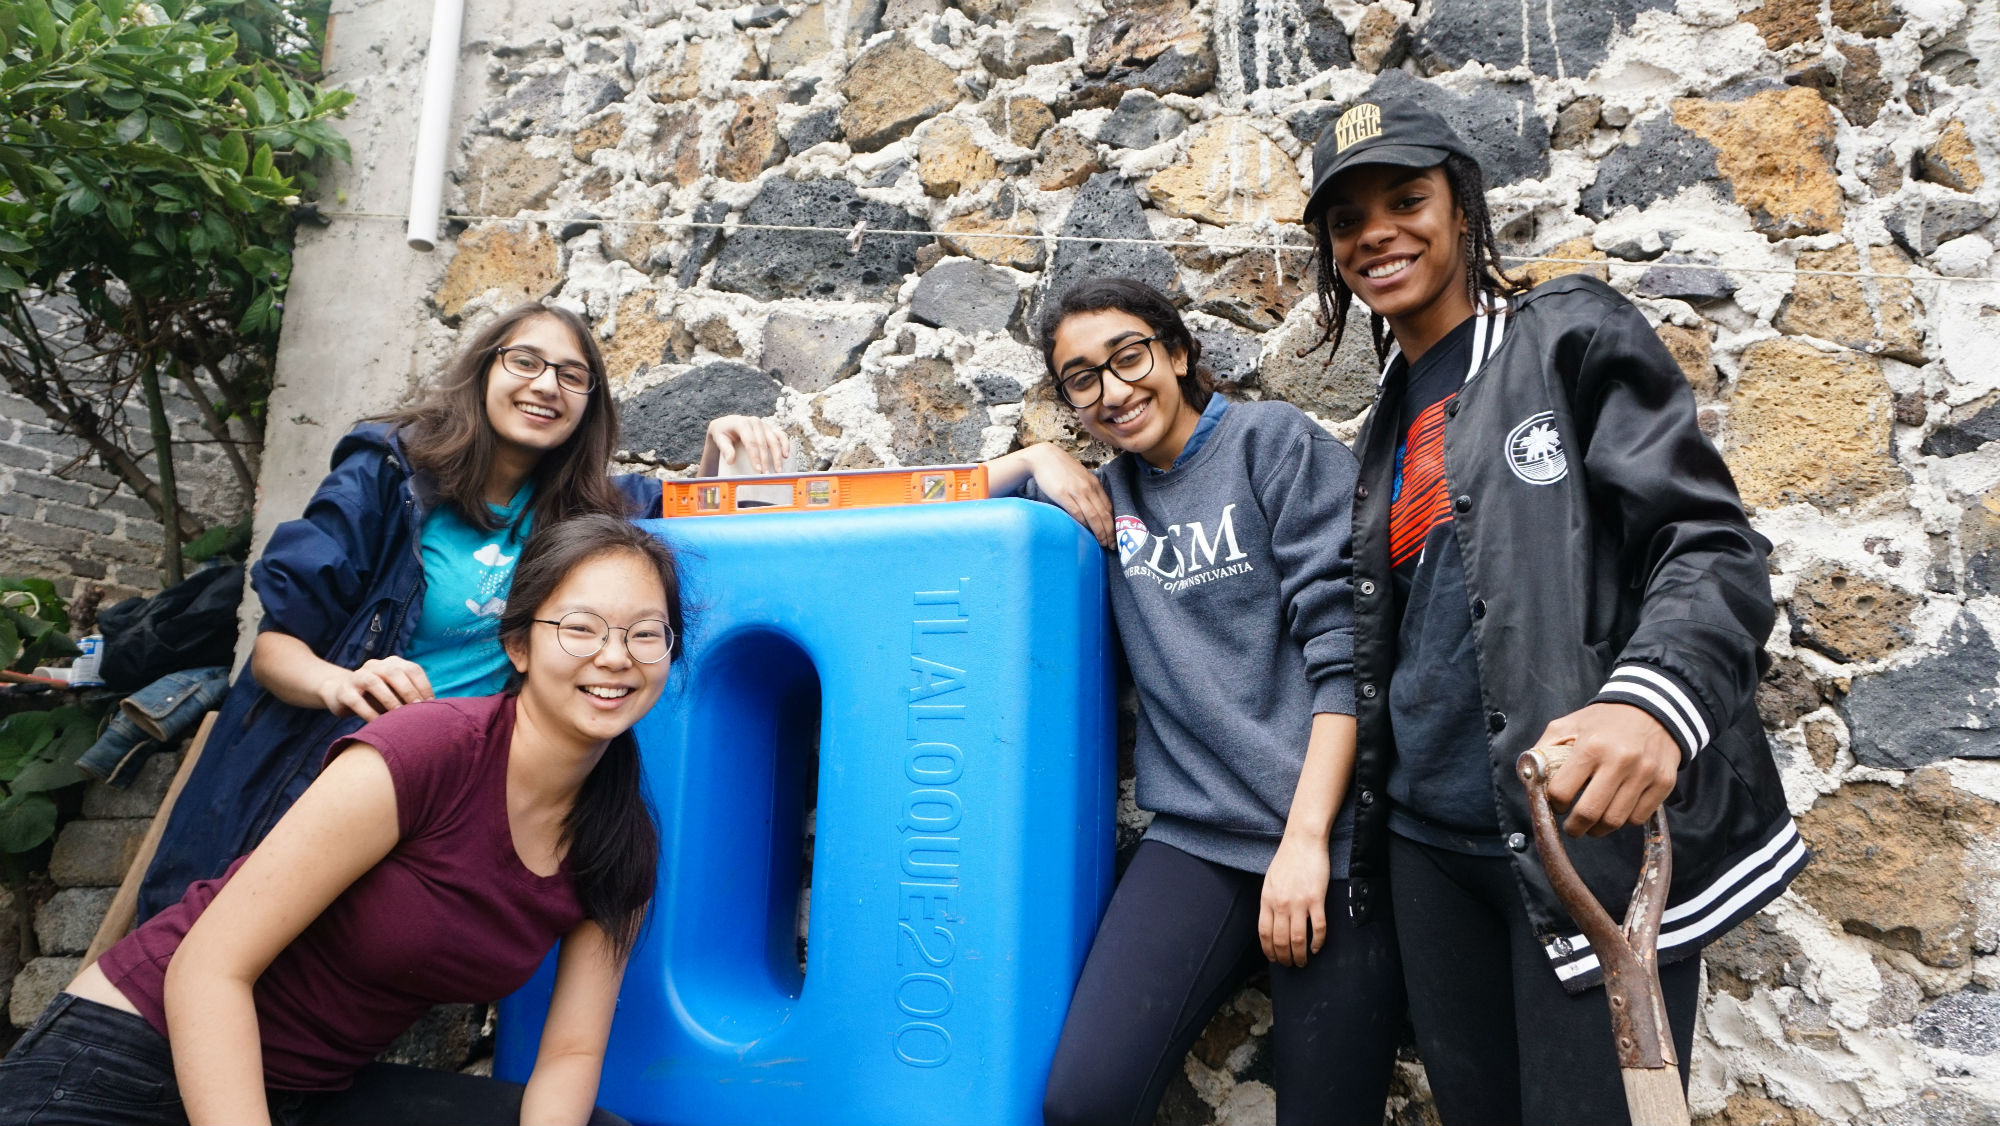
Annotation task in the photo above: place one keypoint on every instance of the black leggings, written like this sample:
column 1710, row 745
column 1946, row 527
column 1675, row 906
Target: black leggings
column 1179, row 938
column 86, row 1064
column 1502, row 1042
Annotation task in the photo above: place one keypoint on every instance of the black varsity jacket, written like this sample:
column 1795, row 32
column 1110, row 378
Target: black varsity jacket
column 1607, row 557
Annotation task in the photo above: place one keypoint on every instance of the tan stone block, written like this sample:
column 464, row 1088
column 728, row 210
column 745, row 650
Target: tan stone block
column 1044, row 418
column 1839, row 308
column 802, row 41
column 891, row 89
column 949, row 161
column 645, row 335
column 680, row 79
column 604, row 133
column 1850, row 618
column 1891, row 863
column 504, row 178
column 1252, row 292
column 1867, row 17
column 1785, row 22
column 1690, row 350
column 1806, row 425
column 752, row 142
column 1067, row 159
column 1021, row 120
column 676, row 148
column 1535, row 273
column 36, row 985
column 1231, row 174
column 522, row 263
column 715, row 335
column 1950, row 160
column 1380, row 39
column 980, row 235
column 1137, row 32
column 1776, row 149
column 632, row 243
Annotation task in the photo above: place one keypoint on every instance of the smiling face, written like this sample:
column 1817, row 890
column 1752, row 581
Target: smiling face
column 533, row 416
column 1399, row 242
column 592, row 698
column 1149, row 417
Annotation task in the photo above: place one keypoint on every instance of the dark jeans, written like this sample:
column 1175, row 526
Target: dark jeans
column 1179, row 938
column 86, row 1064
column 1501, row 1040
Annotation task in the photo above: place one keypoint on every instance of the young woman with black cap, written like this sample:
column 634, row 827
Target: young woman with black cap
column 1547, row 550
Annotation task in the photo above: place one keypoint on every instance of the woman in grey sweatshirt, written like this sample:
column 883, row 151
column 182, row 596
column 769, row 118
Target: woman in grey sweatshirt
column 1227, row 526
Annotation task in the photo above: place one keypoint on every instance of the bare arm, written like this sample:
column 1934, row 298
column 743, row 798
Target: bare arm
column 1296, row 882
column 342, row 826
column 563, row 1087
column 291, row 671
column 1061, row 478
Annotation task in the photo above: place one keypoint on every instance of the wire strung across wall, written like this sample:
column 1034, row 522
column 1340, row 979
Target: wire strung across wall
column 861, row 230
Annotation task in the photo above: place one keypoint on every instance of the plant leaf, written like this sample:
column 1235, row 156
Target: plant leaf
column 26, row 822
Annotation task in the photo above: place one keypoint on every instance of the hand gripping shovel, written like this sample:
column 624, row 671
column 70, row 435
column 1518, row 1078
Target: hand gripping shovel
column 1628, row 955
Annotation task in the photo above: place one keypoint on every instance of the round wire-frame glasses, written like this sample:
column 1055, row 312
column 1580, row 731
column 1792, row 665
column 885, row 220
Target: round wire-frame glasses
column 525, row 363
column 584, row 634
column 1130, row 362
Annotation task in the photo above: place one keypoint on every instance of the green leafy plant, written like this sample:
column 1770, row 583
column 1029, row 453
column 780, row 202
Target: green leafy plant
column 151, row 161
column 34, row 624
column 38, row 753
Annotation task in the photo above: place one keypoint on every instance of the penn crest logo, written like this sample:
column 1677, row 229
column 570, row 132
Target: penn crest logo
column 1535, row 451
column 1130, row 533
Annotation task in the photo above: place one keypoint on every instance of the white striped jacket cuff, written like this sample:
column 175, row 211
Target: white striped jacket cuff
column 1664, row 697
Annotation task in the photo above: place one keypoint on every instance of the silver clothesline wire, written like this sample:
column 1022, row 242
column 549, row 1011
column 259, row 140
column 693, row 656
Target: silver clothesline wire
column 859, row 231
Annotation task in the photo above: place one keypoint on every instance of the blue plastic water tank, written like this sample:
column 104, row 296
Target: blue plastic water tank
column 952, row 665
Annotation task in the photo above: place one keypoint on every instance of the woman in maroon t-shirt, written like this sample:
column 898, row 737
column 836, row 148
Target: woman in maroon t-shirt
column 440, row 855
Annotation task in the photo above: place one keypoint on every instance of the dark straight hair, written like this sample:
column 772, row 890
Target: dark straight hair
column 1127, row 295
column 447, row 435
column 1486, row 282
column 612, row 838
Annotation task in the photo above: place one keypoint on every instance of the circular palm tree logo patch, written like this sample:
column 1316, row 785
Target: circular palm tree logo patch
column 1535, row 451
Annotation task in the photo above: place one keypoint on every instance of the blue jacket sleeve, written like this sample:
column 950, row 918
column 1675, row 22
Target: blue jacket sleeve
column 317, row 570
column 643, row 491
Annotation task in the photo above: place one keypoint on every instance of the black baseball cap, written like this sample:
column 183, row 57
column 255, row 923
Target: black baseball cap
column 1394, row 131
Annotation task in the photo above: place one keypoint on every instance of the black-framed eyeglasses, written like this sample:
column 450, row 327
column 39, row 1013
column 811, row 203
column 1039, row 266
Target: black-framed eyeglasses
column 1130, row 362
column 526, row 363
column 584, row 634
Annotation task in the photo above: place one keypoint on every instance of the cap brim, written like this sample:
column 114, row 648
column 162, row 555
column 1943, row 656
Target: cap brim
column 1400, row 156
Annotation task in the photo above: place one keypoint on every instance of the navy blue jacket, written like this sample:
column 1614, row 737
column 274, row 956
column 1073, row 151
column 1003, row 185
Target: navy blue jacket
column 345, row 578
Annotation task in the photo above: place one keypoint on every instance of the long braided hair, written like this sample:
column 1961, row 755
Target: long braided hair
column 1486, row 281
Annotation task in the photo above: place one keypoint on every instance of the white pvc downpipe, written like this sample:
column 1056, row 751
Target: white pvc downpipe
column 434, row 124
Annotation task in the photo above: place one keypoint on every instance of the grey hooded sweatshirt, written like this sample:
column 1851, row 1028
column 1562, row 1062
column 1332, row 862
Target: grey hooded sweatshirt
column 1229, row 588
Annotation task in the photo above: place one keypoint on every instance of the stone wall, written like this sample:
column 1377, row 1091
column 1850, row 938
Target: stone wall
column 1799, row 194
column 65, row 518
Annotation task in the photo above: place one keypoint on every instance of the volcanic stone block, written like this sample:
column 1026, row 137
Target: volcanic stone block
column 969, row 297
column 1665, row 159
column 812, row 353
column 1106, row 208
column 1141, row 122
column 1940, row 707
column 1557, row 39
column 670, row 420
column 819, row 264
column 1283, row 42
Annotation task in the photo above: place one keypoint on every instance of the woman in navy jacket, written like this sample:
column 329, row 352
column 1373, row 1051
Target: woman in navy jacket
column 387, row 590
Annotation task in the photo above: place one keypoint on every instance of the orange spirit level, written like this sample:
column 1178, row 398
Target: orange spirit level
column 806, row 492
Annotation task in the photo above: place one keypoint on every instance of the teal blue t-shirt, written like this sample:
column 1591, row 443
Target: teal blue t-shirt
column 467, row 572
